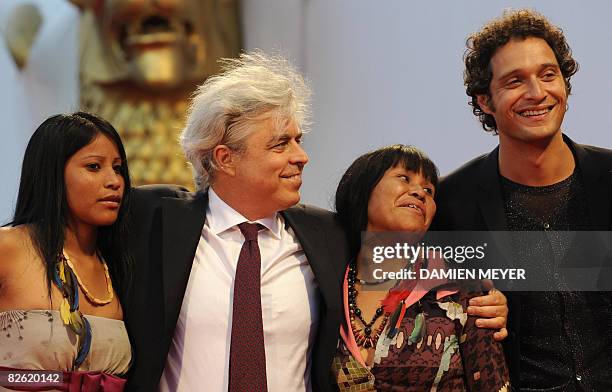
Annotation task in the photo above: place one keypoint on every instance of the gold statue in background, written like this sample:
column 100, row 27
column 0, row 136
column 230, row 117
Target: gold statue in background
column 140, row 61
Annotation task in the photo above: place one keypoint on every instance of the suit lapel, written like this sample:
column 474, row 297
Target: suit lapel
column 594, row 180
column 312, row 238
column 182, row 222
column 491, row 204
column 490, row 199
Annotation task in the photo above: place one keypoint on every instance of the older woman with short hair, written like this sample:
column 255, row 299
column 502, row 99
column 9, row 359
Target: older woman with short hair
column 404, row 335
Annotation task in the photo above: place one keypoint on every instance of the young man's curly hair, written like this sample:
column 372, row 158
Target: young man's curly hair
column 481, row 46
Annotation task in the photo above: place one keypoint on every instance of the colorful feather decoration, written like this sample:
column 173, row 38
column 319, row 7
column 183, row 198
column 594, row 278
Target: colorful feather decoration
column 418, row 332
column 71, row 316
column 402, row 290
column 393, row 321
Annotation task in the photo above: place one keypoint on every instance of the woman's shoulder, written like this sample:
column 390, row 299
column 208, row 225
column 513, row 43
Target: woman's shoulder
column 15, row 248
column 14, row 243
column 14, row 237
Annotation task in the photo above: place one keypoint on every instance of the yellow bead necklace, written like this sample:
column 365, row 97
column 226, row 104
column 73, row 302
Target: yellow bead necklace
column 109, row 284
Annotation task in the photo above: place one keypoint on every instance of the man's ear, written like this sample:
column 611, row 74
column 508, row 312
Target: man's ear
column 484, row 101
column 225, row 159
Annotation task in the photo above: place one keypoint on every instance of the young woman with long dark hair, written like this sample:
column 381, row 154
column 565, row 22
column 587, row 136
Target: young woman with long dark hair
column 64, row 263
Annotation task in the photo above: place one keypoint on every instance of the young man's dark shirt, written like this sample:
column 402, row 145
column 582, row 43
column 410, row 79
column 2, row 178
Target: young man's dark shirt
column 557, row 338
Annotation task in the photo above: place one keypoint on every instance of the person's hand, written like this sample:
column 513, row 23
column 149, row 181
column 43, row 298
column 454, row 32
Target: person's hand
column 493, row 307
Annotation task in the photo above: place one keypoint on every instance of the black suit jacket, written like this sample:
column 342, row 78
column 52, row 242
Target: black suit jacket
column 470, row 199
column 167, row 222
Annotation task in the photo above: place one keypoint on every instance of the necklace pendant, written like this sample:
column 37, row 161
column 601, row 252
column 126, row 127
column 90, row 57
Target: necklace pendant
column 359, row 340
column 368, row 336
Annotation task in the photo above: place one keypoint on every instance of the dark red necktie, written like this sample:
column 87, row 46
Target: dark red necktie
column 247, row 352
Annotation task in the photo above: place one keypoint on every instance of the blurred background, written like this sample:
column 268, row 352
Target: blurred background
column 382, row 72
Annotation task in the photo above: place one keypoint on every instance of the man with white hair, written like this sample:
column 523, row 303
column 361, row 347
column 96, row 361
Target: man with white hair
column 196, row 314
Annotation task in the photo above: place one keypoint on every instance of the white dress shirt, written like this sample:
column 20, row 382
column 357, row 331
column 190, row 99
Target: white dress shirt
column 198, row 359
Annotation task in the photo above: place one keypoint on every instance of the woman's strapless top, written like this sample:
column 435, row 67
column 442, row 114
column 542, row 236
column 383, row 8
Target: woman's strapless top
column 38, row 340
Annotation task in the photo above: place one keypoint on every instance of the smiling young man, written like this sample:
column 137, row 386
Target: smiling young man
column 518, row 71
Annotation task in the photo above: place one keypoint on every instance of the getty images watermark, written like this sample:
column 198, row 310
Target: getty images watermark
column 523, row 261
column 421, row 251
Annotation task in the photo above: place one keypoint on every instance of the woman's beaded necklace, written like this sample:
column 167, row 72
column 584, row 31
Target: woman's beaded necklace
column 93, row 299
column 365, row 337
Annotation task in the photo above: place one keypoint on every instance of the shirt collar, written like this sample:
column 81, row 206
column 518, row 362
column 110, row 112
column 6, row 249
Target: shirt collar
column 221, row 217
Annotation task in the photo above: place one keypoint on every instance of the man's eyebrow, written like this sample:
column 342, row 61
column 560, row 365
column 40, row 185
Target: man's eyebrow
column 283, row 137
column 550, row 65
column 508, row 74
